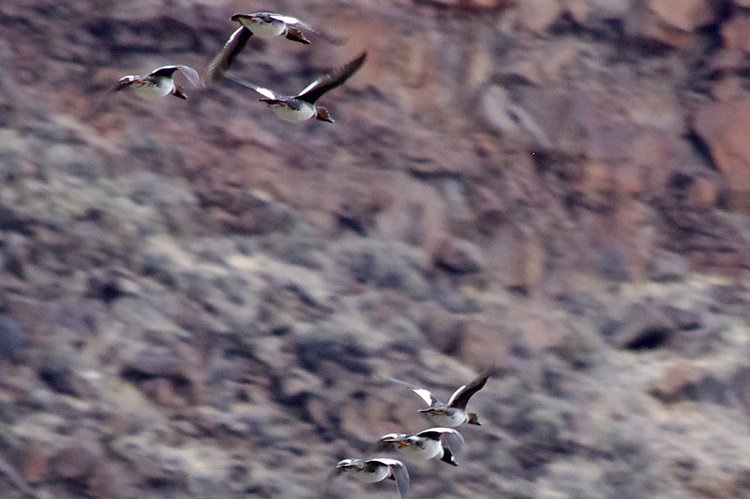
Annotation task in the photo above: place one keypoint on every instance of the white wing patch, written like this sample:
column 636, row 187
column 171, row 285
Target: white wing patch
column 269, row 94
column 425, row 394
column 456, row 394
column 309, row 87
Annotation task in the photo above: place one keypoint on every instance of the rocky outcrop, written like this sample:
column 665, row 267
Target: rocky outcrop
column 200, row 300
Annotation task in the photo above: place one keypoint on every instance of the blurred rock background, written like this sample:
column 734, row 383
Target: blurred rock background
column 198, row 299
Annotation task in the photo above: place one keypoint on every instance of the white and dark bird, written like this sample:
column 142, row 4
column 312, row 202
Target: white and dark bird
column 454, row 412
column 377, row 470
column 433, row 443
column 262, row 25
column 302, row 106
column 158, row 83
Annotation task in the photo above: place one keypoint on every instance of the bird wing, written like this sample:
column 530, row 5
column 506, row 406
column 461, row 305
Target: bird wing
column 316, row 89
column 426, row 395
column 190, row 73
column 400, row 474
column 297, row 23
column 228, row 53
column 269, row 94
column 461, row 397
column 291, row 21
column 453, row 439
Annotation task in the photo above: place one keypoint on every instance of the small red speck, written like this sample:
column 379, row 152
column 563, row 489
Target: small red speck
column 533, row 153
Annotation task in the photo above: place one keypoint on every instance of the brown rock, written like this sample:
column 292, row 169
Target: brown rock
column 706, row 192
column 478, row 5
column 698, row 231
column 417, row 215
column 644, row 325
column 678, row 382
column 154, row 361
column 542, row 330
column 685, row 15
column 538, row 15
column 484, row 344
column 34, row 463
column 666, row 266
column 736, row 33
column 443, row 329
column 75, row 462
column 459, row 256
column 670, row 22
column 516, row 257
column 725, row 127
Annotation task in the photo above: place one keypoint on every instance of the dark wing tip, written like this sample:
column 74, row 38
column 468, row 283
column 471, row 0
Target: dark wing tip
column 332, row 80
column 464, row 393
column 228, row 53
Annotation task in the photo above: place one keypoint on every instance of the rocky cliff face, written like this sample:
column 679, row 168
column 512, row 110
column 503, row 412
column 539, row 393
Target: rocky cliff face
column 198, row 299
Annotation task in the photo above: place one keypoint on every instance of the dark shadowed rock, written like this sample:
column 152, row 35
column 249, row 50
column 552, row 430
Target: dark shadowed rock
column 645, row 325
column 459, row 256
column 56, row 371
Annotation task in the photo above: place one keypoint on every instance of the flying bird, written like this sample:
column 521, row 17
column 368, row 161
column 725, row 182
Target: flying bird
column 262, row 25
column 454, row 412
column 441, row 443
column 376, row 470
column 159, row 83
column 302, row 106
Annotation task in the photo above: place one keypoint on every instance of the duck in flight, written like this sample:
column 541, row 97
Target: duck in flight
column 441, row 443
column 454, row 412
column 158, row 83
column 377, row 470
column 302, row 106
column 262, row 25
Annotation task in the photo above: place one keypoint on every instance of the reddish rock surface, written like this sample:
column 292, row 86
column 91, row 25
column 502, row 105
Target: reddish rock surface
column 198, row 299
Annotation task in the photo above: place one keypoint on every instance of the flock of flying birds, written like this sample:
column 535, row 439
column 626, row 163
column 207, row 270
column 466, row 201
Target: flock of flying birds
column 441, row 442
column 299, row 107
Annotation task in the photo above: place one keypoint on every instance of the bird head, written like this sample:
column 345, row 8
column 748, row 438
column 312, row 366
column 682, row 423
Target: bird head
column 474, row 419
column 350, row 464
column 322, row 114
column 178, row 92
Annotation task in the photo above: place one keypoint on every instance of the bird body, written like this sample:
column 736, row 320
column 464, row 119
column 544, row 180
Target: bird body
column 376, row 470
column 439, row 443
column 265, row 24
column 158, row 83
column 292, row 110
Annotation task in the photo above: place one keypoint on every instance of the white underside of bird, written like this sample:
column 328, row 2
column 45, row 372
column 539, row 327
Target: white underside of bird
column 450, row 419
column 286, row 113
column 264, row 30
column 378, row 475
column 423, row 450
column 151, row 91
